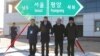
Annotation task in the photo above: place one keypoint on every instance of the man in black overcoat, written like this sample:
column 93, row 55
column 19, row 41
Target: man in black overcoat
column 32, row 33
column 45, row 28
column 59, row 31
column 71, row 33
column 13, row 33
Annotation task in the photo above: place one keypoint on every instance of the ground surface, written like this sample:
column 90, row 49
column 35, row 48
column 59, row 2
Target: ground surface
column 92, row 48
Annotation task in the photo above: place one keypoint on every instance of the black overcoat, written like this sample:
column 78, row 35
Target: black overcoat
column 45, row 31
column 32, row 34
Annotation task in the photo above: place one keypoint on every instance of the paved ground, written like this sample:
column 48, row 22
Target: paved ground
column 92, row 48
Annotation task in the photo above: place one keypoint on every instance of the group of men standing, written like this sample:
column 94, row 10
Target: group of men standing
column 59, row 31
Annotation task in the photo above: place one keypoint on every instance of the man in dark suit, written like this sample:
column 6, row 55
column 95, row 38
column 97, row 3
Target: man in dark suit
column 59, row 31
column 32, row 37
column 45, row 28
column 71, row 33
column 13, row 33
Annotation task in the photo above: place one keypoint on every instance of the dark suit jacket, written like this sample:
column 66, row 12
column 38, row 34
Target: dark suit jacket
column 45, row 30
column 32, row 33
column 59, row 31
column 71, row 31
column 13, row 32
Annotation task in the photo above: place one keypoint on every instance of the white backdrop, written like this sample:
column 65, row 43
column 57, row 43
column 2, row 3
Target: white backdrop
column 1, row 13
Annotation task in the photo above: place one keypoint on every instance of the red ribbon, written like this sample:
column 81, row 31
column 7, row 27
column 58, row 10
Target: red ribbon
column 16, row 37
column 79, row 45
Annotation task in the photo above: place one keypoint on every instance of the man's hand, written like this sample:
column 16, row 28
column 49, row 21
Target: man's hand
column 65, row 38
column 51, row 35
column 76, row 39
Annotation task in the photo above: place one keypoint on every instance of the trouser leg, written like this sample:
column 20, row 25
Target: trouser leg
column 42, row 49
column 68, row 47
column 30, row 49
column 72, row 47
column 12, row 41
column 56, row 48
column 34, row 50
column 47, row 49
column 61, row 47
